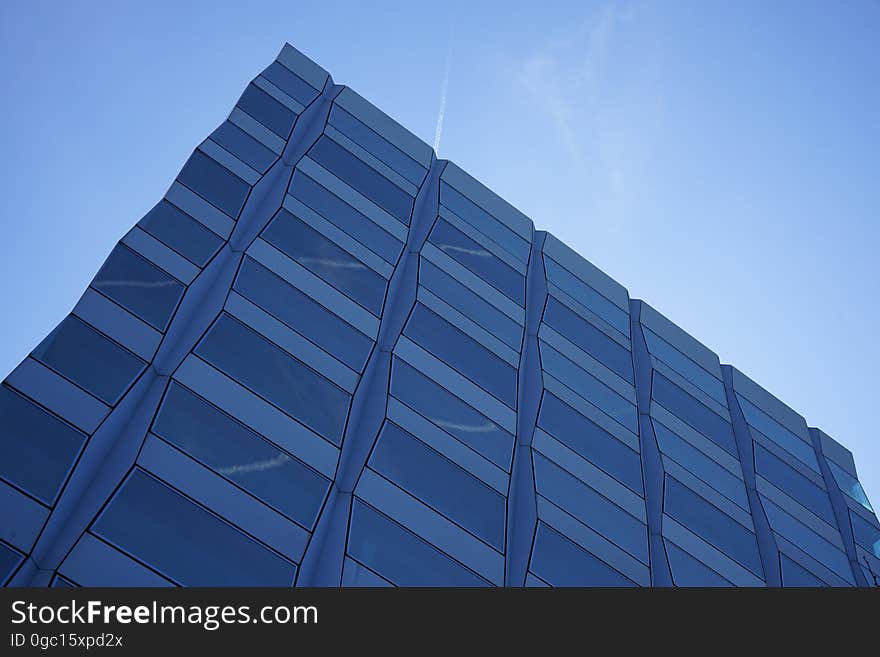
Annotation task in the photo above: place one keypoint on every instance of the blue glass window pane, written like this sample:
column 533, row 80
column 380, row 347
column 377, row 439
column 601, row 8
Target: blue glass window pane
column 586, row 336
column 689, row 571
column 215, row 183
column 693, row 412
column 290, row 83
column 181, row 232
column 243, row 146
column 778, row 433
column 268, row 111
column 470, row 304
column 276, row 375
column 440, row 483
column 591, row 441
column 240, row 455
column 9, row 560
column 399, row 556
column 362, row 177
column 345, row 217
column 849, row 485
column 377, row 145
column 586, row 295
column 90, row 360
column 463, row 353
column 36, row 449
column 793, row 574
column 183, row 540
column 323, row 257
column 705, row 468
column 560, row 562
column 594, row 510
column 787, row 479
column 685, row 366
column 479, row 260
column 60, row 582
column 303, row 314
column 711, row 524
column 866, row 534
column 451, row 414
column 589, row 387
column 476, row 216
column 139, row 287
column 806, row 539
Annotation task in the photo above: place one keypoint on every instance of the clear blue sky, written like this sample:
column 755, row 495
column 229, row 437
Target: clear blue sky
column 720, row 159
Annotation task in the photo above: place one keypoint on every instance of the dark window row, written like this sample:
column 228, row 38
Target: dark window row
column 240, row 455
column 175, row 228
column 9, row 560
column 586, row 336
column 451, row 414
column 682, row 364
column 290, row 83
column 247, row 149
column 183, row 540
column 793, row 574
column 711, row 524
column 474, row 214
column 440, row 483
column 697, row 463
column 590, row 441
column 789, row 480
column 271, row 372
column 37, row 450
column 584, row 294
column 470, row 304
column 303, row 314
column 377, row 145
column 139, row 286
column 400, row 556
column 327, row 260
column 362, row 177
column 274, row 115
column 345, row 217
column 463, row 353
column 590, row 507
column 88, row 358
column 866, row 534
column 779, row 434
column 479, row 260
column 590, row 388
column 214, row 183
column 687, row 570
column 693, row 412
column 560, row 562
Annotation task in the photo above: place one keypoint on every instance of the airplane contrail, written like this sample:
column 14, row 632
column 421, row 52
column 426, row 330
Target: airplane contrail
column 442, row 113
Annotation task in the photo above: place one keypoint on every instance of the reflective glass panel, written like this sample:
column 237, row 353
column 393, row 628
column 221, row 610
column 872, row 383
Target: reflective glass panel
column 274, row 374
column 179, row 538
column 240, row 455
column 323, row 257
column 463, row 353
column 440, row 483
column 36, row 448
column 451, row 414
column 78, row 352
column 138, row 286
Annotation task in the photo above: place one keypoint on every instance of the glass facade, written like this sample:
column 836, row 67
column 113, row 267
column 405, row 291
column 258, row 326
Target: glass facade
column 328, row 358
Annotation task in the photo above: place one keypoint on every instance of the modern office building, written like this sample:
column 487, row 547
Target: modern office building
column 327, row 357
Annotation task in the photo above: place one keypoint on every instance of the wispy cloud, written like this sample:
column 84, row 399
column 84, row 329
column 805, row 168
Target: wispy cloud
column 565, row 78
column 575, row 82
